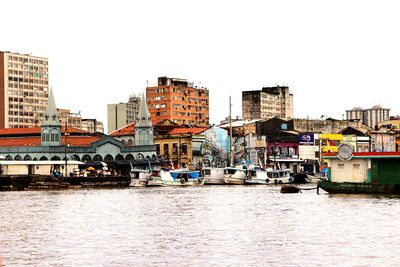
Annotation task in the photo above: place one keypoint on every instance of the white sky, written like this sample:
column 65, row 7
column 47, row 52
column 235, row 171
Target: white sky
column 333, row 55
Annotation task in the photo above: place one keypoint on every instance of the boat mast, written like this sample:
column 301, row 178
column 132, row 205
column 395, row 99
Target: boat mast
column 230, row 133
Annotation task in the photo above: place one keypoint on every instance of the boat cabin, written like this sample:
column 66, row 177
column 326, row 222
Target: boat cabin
column 364, row 167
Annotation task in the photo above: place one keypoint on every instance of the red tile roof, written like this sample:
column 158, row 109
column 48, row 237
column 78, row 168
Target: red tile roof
column 73, row 130
column 35, row 130
column 86, row 141
column 26, row 141
column 126, row 130
column 196, row 130
column 19, row 131
column 80, row 141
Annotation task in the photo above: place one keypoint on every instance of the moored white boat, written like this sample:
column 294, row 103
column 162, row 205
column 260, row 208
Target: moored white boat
column 268, row 176
column 182, row 177
column 235, row 175
column 142, row 178
column 213, row 175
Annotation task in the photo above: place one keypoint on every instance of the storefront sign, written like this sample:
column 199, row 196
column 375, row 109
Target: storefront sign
column 306, row 138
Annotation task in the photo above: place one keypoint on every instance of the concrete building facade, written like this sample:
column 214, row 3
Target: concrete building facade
column 179, row 101
column 92, row 126
column 371, row 117
column 122, row 114
column 23, row 89
column 267, row 103
column 68, row 118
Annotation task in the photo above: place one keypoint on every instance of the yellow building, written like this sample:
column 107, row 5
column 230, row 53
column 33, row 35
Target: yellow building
column 182, row 146
column 330, row 142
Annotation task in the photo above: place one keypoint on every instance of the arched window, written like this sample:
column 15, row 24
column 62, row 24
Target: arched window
column 35, row 159
column 55, row 135
column 55, row 158
column 144, row 137
column 17, row 157
column 43, row 158
column 119, row 157
column 27, row 157
column 97, row 158
column 75, row 157
column 130, row 142
column 45, row 135
column 9, row 157
column 129, row 157
column 108, row 158
column 139, row 157
column 86, row 158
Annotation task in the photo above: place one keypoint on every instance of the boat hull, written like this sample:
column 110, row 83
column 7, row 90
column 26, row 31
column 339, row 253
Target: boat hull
column 358, row 188
column 235, row 181
column 264, row 177
column 214, row 180
column 181, row 178
column 213, row 176
column 236, row 178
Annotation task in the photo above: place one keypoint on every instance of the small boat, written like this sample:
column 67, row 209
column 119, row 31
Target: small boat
column 181, row 177
column 289, row 189
column 257, row 175
column 139, row 177
column 235, row 175
column 213, row 175
column 142, row 178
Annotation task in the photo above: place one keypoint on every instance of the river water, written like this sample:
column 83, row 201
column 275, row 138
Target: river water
column 203, row 226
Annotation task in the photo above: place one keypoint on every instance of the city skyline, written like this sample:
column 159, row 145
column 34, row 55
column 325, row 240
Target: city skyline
column 332, row 56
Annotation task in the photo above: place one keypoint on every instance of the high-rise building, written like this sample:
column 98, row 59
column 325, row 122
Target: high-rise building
column 70, row 119
column 179, row 101
column 92, row 126
column 371, row 117
column 269, row 102
column 23, row 89
column 122, row 114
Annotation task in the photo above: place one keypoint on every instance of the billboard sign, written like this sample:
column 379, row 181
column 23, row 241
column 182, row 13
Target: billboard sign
column 306, row 138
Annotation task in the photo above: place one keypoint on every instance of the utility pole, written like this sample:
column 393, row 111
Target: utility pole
column 66, row 145
column 230, row 133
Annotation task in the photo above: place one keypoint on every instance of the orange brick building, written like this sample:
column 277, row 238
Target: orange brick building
column 179, row 101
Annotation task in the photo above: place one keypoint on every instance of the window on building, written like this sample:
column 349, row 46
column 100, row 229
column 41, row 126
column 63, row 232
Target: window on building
column 175, row 148
column 184, row 149
column 166, row 149
column 158, row 148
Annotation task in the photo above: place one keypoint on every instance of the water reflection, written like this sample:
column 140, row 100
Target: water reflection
column 216, row 225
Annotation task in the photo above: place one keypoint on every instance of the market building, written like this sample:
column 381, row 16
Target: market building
column 52, row 141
